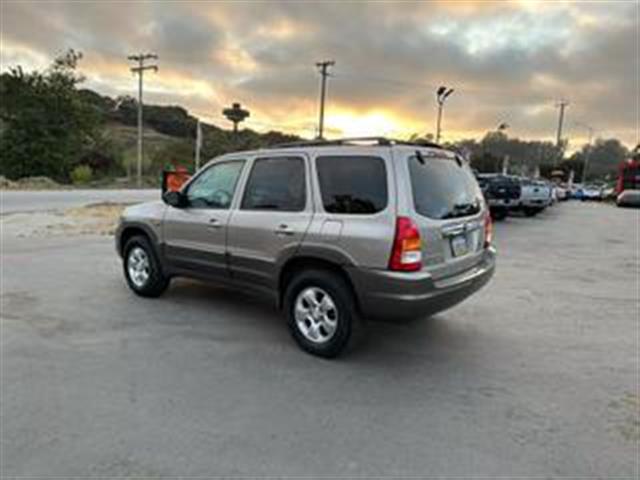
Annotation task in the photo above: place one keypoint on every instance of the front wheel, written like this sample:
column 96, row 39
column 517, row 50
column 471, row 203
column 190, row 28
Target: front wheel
column 530, row 211
column 142, row 269
column 321, row 313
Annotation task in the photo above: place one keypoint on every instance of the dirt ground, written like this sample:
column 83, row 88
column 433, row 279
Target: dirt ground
column 96, row 219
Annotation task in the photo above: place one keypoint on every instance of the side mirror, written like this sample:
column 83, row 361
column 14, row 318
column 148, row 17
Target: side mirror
column 175, row 199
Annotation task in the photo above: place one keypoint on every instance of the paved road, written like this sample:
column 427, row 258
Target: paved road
column 533, row 376
column 36, row 201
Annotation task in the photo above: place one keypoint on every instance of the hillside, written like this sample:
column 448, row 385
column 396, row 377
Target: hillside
column 169, row 135
column 50, row 127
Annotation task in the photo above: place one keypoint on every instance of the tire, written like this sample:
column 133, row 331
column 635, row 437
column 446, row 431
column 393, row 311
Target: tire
column 530, row 211
column 298, row 298
column 499, row 214
column 154, row 282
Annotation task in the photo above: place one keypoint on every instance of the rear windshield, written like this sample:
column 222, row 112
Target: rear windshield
column 442, row 188
column 506, row 181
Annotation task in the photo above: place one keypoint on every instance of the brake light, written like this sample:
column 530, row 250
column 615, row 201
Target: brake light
column 406, row 255
column 488, row 229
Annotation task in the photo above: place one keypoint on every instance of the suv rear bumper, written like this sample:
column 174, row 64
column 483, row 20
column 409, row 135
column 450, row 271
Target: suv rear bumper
column 387, row 294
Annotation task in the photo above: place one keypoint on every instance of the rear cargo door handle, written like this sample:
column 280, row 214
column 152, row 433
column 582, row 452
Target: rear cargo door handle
column 284, row 230
column 453, row 230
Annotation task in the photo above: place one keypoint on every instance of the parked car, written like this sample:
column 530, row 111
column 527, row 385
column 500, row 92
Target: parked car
column 609, row 194
column 575, row 191
column 562, row 193
column 331, row 231
column 536, row 196
column 629, row 198
column 591, row 192
column 501, row 192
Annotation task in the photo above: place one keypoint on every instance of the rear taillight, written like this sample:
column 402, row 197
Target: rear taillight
column 406, row 255
column 488, row 229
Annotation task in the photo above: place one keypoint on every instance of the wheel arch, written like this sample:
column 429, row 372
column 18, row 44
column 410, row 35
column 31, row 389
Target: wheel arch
column 130, row 230
column 303, row 262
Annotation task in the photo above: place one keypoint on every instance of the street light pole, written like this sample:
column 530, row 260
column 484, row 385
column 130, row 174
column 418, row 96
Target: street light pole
column 439, row 121
column 562, row 104
column 139, row 70
column 441, row 95
column 587, row 154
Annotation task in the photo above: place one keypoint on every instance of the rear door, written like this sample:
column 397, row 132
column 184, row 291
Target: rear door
column 273, row 216
column 448, row 207
column 195, row 235
column 356, row 216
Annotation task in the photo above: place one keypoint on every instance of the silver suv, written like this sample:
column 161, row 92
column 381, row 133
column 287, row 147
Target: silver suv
column 332, row 231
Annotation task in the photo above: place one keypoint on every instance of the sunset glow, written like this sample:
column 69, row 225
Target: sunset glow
column 508, row 61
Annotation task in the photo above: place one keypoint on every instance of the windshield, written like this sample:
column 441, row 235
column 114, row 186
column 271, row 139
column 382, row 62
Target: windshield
column 442, row 188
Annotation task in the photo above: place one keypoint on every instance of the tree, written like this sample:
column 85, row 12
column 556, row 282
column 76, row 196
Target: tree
column 46, row 124
column 604, row 157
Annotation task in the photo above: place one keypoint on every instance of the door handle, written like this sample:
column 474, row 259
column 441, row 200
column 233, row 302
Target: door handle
column 284, row 229
column 214, row 223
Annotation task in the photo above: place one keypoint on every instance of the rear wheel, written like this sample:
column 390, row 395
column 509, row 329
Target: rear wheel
column 142, row 268
column 321, row 313
column 499, row 213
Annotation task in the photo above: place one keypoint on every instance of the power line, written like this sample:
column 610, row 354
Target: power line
column 323, row 66
column 139, row 70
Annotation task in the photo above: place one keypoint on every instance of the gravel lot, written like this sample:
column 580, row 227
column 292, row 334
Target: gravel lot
column 38, row 201
column 536, row 375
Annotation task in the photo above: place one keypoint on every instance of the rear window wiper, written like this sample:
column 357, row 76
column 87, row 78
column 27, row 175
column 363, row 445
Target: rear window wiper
column 461, row 209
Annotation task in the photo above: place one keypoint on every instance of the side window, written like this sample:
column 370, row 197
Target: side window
column 352, row 184
column 276, row 183
column 215, row 186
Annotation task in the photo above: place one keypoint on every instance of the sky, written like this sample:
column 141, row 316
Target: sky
column 506, row 61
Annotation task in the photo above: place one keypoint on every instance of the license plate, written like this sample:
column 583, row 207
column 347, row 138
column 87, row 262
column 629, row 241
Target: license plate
column 459, row 245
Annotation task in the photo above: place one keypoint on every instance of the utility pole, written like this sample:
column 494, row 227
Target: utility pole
column 323, row 66
column 562, row 104
column 139, row 70
column 441, row 95
column 198, row 144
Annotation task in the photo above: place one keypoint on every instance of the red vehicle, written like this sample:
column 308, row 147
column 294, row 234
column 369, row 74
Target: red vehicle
column 628, row 176
column 628, row 185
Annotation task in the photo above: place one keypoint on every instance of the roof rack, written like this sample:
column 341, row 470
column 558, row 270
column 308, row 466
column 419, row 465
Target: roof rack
column 381, row 141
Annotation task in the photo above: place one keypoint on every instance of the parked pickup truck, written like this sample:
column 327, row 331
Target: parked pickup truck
column 535, row 196
column 501, row 192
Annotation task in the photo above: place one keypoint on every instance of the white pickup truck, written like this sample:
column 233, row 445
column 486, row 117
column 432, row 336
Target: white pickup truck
column 535, row 196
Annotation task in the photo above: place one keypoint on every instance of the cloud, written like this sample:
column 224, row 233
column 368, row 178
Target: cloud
column 508, row 61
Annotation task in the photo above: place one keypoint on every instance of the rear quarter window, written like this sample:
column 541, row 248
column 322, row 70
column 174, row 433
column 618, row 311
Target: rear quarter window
column 352, row 184
column 443, row 189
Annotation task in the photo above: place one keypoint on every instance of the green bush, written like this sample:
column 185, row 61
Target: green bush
column 81, row 174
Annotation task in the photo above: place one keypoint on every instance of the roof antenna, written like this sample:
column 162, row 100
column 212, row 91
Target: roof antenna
column 419, row 157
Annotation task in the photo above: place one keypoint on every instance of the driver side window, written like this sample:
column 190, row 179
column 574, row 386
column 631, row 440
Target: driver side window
column 214, row 188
